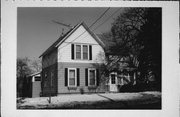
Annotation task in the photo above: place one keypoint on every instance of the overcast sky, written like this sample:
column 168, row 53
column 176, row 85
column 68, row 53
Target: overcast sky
column 36, row 31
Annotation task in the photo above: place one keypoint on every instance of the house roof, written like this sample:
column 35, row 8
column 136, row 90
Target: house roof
column 107, row 41
column 34, row 74
column 65, row 36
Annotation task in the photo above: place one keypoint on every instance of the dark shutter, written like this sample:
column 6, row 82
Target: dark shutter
column 86, row 76
column 66, row 76
column 90, row 52
column 97, row 77
column 72, row 51
column 78, row 77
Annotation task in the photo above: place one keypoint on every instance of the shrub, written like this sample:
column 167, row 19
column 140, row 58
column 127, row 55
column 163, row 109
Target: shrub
column 81, row 90
column 134, row 88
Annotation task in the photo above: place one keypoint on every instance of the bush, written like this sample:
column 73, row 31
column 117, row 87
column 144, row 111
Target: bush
column 134, row 88
column 81, row 90
column 40, row 94
column 139, row 87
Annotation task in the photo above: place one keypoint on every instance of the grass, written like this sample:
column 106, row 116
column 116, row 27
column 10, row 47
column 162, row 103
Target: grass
column 144, row 101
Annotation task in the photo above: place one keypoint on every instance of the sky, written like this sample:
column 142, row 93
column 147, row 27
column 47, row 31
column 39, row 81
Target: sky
column 36, row 31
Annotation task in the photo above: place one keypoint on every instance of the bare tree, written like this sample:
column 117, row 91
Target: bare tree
column 136, row 34
column 23, row 70
column 36, row 65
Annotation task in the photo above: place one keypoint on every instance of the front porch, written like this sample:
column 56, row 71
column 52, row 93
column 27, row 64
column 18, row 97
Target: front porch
column 123, row 77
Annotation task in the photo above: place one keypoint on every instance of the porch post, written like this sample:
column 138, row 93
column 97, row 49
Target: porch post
column 33, row 79
column 128, row 77
column 116, row 80
column 134, row 78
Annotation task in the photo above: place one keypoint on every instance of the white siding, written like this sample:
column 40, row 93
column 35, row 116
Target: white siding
column 64, row 50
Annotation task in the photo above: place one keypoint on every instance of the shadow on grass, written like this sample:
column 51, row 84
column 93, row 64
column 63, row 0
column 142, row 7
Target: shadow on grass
column 110, row 105
column 146, row 101
column 106, row 98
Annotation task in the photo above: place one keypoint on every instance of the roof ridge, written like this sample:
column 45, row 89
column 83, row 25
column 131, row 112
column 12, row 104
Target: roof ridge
column 62, row 38
column 59, row 39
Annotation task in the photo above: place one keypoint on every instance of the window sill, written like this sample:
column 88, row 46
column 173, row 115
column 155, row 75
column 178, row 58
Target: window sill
column 81, row 60
column 92, row 87
column 72, row 88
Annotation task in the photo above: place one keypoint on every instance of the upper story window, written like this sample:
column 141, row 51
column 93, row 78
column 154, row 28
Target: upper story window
column 85, row 52
column 81, row 52
column 78, row 51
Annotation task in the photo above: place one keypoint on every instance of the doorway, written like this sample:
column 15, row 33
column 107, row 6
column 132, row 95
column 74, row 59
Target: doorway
column 113, row 82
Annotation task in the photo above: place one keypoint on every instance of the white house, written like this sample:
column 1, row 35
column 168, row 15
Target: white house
column 70, row 64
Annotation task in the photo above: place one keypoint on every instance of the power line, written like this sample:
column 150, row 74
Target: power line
column 99, row 17
column 106, row 19
column 89, row 26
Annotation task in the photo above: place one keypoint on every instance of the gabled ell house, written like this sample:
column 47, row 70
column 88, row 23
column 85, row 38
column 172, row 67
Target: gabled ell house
column 68, row 65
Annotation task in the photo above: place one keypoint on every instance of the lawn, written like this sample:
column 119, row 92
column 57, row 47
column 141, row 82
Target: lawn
column 141, row 100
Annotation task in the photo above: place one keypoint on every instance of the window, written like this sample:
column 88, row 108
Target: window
column 46, row 79
column 78, row 51
column 52, row 79
column 85, row 52
column 37, row 78
column 81, row 52
column 113, row 79
column 92, row 77
column 72, row 77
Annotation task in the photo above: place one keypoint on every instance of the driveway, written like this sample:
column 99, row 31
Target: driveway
column 141, row 100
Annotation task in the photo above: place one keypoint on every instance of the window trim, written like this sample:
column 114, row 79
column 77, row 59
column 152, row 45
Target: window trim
column 115, row 77
column 89, row 77
column 87, row 52
column 45, row 80
column 37, row 77
column 82, row 57
column 51, row 78
column 80, row 52
column 75, row 77
column 113, row 81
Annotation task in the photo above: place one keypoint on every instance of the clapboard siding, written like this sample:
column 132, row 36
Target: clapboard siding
column 36, row 89
column 64, row 50
column 85, row 36
column 61, row 57
column 46, row 80
column 61, row 78
column 49, row 59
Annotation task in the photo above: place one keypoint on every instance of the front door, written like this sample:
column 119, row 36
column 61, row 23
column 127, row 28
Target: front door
column 113, row 82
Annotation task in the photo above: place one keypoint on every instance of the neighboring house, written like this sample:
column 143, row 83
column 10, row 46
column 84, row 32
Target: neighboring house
column 34, row 85
column 70, row 65
column 122, row 69
column 122, row 73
